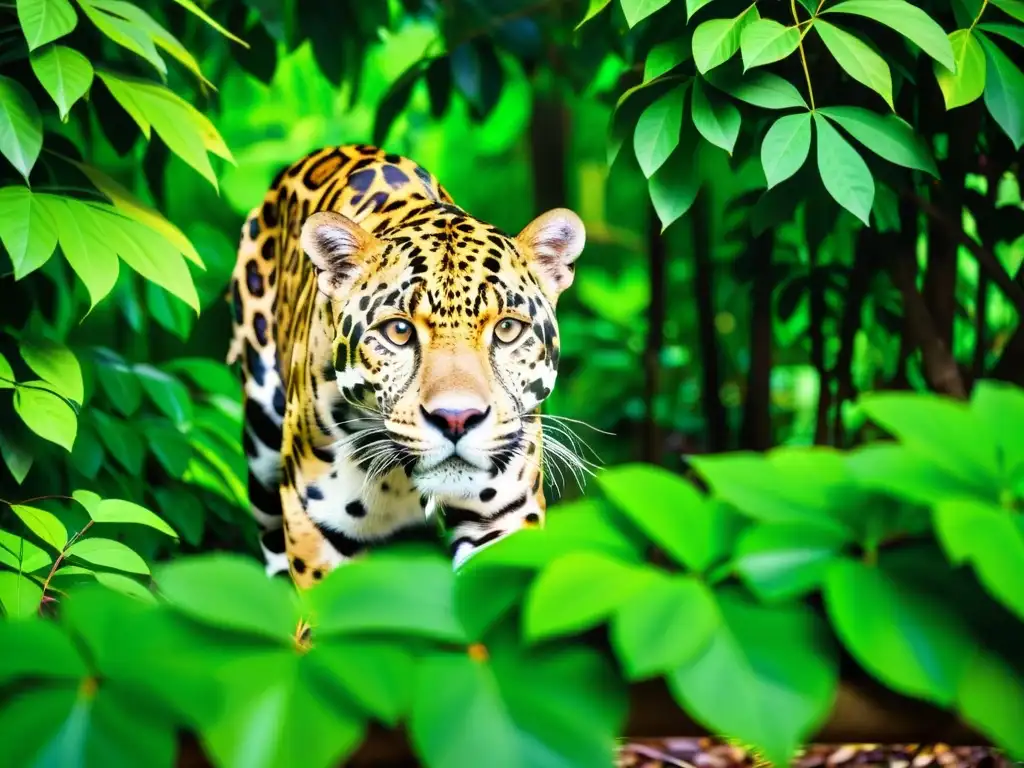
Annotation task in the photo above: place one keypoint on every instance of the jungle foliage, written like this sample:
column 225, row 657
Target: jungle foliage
column 790, row 204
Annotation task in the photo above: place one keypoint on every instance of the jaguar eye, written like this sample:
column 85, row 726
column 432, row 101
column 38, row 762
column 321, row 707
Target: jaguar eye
column 508, row 330
column 398, row 332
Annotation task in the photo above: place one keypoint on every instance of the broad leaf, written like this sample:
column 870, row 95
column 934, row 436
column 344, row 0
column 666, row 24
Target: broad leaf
column 1014, row 8
column 765, row 41
column 27, row 229
column 785, row 147
column 43, row 21
column 843, row 171
column 166, row 392
column 857, row 59
column 594, row 8
column 657, row 131
column 664, row 57
column 717, row 119
column 666, row 625
column 888, row 136
column 783, row 661
column 43, row 524
column 716, row 40
column 19, row 595
column 22, row 555
column 967, row 82
column 636, row 11
column 7, row 379
column 64, row 73
column 692, row 6
column 1012, row 32
column 910, row 21
column 762, row 89
column 21, row 126
column 1000, row 407
column 124, row 30
column 191, row 7
column 674, row 187
column 1004, row 84
column 377, row 675
column 990, row 697
column 120, row 511
column 109, row 554
column 56, row 364
column 779, row 561
column 46, row 414
column 84, row 244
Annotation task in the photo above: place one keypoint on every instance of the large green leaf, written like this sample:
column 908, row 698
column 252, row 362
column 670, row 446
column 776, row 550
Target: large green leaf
column 1014, row 8
column 657, row 131
column 559, row 707
column 674, row 187
column 65, row 74
column 967, row 82
column 666, row 56
column 167, row 393
column 377, row 675
column 121, row 440
column 910, row 21
column 857, row 59
column 765, row 41
column 56, row 364
column 664, row 626
column 783, row 661
column 109, row 554
column 244, row 599
column 121, row 511
column 1012, row 32
column 843, row 171
column 125, row 32
column 671, row 512
column 716, row 40
column 888, row 136
column 38, row 649
column 46, row 414
column 778, row 561
column 43, row 21
column 16, row 455
column 990, row 697
column 19, row 595
column 21, row 126
column 636, row 11
column 762, row 89
column 988, row 538
column 43, row 524
column 1004, row 84
column 717, row 119
column 1000, row 407
column 785, row 147
column 84, row 244
column 27, row 229
column 908, row 640
column 22, row 555
column 578, row 591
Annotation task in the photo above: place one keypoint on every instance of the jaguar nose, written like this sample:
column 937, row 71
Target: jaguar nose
column 453, row 424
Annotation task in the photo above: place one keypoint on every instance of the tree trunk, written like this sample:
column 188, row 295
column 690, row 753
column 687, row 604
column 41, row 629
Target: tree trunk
column 757, row 419
column 704, row 285
column 656, row 255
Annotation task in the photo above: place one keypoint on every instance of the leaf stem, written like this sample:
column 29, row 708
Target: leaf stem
column 803, row 56
column 984, row 5
column 60, row 559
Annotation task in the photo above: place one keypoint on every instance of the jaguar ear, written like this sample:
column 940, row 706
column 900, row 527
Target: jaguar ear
column 554, row 240
column 338, row 247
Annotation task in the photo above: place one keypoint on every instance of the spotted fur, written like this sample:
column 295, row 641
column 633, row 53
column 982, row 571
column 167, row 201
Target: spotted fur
column 341, row 422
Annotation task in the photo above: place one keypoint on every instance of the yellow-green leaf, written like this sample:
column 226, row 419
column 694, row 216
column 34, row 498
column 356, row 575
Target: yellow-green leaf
column 43, row 524
column 843, row 171
column 109, row 554
column 56, row 364
column 46, row 414
column 64, row 73
column 195, row 9
column 716, row 40
column 967, row 82
column 857, row 59
column 21, row 126
column 84, row 245
column 43, row 21
column 27, row 229
column 765, row 40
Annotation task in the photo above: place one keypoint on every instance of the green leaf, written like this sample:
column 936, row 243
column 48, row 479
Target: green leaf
column 717, row 119
column 1014, row 8
column 967, row 82
column 386, row 594
column 554, row 707
column 1011, row 32
column 56, row 364
column 119, row 383
column 84, row 244
column 666, row 625
column 664, row 57
column 636, row 11
column 27, row 229
column 910, row 21
column 1000, row 407
column 779, row 561
column 121, row 440
column 990, row 697
column 109, row 554
column 594, row 8
column 911, row 643
column 843, row 171
column 379, row 676
column 1004, row 84
column 44, row 21
column 692, row 6
column 166, row 392
column 989, row 539
column 192, row 8
column 579, row 591
column 674, row 187
column 785, row 147
column 716, row 40
column 120, row 511
column 857, row 59
column 762, row 89
column 43, row 524
column 888, row 136
column 22, row 555
column 6, row 374
column 900, row 471
column 783, row 661
column 171, row 448
column 245, row 599
column 38, row 649
column 765, row 41
column 657, row 131
column 64, row 73
column 125, row 32
column 46, row 414
column 16, row 455
column 671, row 512
column 21, row 126
column 965, row 448
column 126, row 585
column 19, row 595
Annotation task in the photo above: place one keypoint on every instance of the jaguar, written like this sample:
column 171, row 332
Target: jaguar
column 394, row 355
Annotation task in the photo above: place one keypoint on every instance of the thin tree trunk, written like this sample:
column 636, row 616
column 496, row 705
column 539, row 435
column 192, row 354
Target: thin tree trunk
column 714, row 411
column 817, row 330
column 656, row 255
column 757, row 419
column 549, row 130
column 864, row 265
